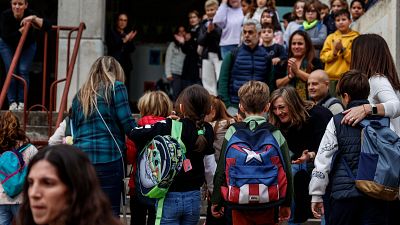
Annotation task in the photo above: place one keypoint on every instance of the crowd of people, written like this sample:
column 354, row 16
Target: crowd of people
column 238, row 77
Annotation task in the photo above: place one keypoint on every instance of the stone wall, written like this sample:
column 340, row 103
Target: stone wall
column 71, row 13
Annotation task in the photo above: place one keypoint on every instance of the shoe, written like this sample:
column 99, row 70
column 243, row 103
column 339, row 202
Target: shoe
column 20, row 106
column 13, row 106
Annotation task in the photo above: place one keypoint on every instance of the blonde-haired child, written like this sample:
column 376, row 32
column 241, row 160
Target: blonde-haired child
column 154, row 106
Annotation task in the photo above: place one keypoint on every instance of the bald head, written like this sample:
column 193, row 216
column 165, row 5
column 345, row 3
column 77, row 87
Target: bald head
column 318, row 85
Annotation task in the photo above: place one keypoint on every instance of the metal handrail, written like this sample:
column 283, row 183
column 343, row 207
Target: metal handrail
column 69, row 72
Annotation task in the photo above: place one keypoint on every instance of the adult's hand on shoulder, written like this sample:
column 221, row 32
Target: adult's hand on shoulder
column 353, row 115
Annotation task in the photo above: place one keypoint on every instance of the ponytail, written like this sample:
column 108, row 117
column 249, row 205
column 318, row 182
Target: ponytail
column 201, row 142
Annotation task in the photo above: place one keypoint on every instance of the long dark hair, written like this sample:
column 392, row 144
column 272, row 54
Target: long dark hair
column 309, row 54
column 275, row 21
column 196, row 103
column 370, row 54
column 87, row 203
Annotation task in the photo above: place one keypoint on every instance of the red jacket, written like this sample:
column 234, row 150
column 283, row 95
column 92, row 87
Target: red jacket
column 132, row 151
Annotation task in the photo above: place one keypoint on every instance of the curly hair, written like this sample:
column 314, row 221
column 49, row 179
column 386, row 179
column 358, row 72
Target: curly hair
column 11, row 133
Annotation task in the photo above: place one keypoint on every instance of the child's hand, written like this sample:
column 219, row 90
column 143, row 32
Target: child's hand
column 275, row 61
column 284, row 213
column 338, row 44
column 179, row 39
column 303, row 158
column 317, row 208
column 210, row 27
column 217, row 213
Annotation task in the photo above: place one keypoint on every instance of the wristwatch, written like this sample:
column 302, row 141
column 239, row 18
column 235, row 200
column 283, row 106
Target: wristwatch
column 374, row 109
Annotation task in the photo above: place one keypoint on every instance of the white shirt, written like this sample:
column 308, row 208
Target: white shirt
column 381, row 91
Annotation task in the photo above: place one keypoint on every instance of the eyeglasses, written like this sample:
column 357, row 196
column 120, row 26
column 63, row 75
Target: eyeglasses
column 311, row 11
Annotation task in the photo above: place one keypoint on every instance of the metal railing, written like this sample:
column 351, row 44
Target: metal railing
column 70, row 63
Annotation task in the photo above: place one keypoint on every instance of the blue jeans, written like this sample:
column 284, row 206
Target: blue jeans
column 16, row 90
column 110, row 176
column 225, row 50
column 181, row 208
column 7, row 213
column 295, row 168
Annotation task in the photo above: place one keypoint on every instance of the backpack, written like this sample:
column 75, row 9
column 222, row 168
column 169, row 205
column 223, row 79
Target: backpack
column 159, row 162
column 255, row 172
column 13, row 171
column 378, row 167
column 332, row 100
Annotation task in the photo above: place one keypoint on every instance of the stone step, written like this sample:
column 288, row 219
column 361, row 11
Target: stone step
column 36, row 118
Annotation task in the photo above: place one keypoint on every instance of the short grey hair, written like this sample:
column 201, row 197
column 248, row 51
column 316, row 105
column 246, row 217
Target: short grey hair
column 249, row 22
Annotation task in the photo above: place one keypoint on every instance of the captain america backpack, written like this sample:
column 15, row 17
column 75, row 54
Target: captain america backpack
column 254, row 168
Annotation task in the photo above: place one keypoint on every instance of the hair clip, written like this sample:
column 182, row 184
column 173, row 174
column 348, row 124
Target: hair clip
column 200, row 132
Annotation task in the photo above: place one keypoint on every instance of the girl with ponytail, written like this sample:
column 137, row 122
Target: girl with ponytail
column 182, row 202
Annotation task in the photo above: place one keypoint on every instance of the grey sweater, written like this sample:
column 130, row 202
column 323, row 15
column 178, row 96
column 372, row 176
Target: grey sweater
column 174, row 60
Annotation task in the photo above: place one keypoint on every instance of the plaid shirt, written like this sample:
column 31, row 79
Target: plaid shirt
column 91, row 134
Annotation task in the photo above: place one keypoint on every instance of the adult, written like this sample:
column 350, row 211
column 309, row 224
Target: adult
column 371, row 55
column 302, row 61
column 297, row 20
column 191, row 64
column 62, row 188
column 12, row 24
column 174, row 59
column 120, row 44
column 101, row 117
column 248, row 62
column 318, row 91
column 229, row 17
column 303, row 124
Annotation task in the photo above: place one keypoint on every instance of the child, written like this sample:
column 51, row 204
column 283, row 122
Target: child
column 220, row 120
column 340, row 143
column 336, row 53
column 248, row 8
column 276, row 52
column 269, row 16
column 324, row 11
column 313, row 26
column 329, row 21
column 154, row 107
column 64, row 132
column 182, row 202
column 297, row 16
column 253, row 97
column 209, row 37
column 12, row 136
column 357, row 9
column 229, row 17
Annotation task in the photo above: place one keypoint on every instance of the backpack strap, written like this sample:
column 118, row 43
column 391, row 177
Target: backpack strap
column 19, row 151
column 176, row 132
column 332, row 100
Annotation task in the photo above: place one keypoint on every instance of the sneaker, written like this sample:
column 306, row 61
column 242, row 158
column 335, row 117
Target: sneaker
column 13, row 106
column 20, row 106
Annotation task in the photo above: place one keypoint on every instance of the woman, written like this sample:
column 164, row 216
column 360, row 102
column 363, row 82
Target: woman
column 174, row 59
column 229, row 17
column 62, row 188
column 11, row 28
column 302, row 124
column 301, row 63
column 101, row 117
column 371, row 55
column 120, row 44
column 12, row 137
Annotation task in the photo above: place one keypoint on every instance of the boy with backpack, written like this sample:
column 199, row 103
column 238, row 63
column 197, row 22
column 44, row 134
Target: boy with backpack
column 341, row 164
column 253, row 176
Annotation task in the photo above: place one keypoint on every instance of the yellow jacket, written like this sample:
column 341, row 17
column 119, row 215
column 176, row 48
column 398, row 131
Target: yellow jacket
column 335, row 66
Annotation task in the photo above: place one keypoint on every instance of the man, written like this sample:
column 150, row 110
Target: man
column 318, row 91
column 247, row 62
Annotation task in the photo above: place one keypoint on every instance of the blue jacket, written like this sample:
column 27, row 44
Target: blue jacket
column 249, row 64
column 349, row 145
